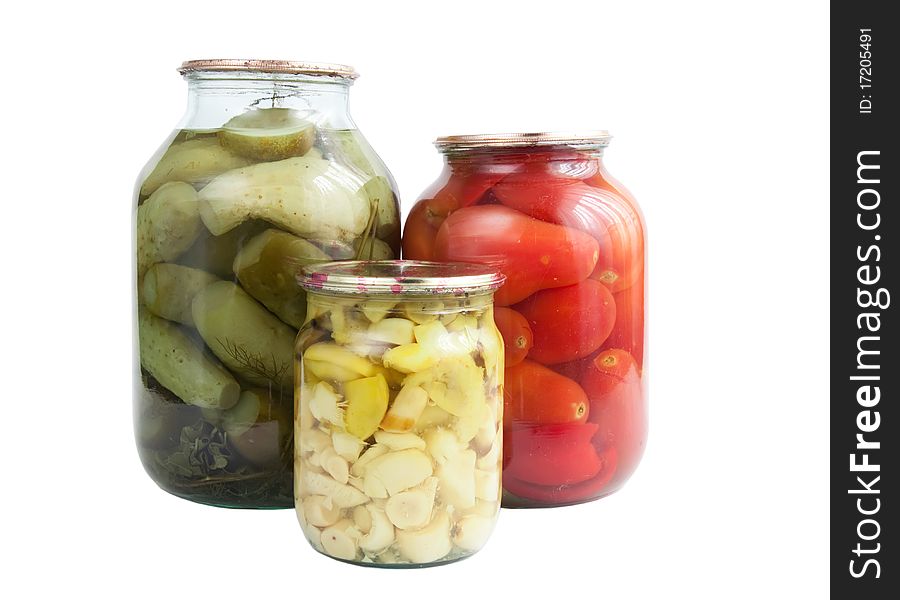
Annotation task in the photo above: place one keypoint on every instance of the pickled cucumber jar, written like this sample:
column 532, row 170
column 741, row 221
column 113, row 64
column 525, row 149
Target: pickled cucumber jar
column 265, row 172
column 398, row 417
column 570, row 240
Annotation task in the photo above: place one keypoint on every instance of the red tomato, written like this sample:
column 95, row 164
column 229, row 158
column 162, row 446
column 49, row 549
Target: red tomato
column 532, row 393
column 419, row 232
column 566, row 494
column 569, row 322
column 609, row 369
column 603, row 180
column 613, row 383
column 574, row 369
column 612, row 220
column 462, row 188
column 556, row 164
column 559, row 454
column 517, row 336
column 532, row 254
column 628, row 331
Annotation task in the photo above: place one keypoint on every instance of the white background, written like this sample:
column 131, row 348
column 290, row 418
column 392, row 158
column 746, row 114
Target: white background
column 720, row 117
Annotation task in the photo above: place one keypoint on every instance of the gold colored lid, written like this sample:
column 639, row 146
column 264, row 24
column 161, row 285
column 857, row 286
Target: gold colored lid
column 269, row 66
column 449, row 143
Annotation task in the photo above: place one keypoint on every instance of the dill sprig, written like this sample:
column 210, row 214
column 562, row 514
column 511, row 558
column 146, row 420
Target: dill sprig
column 367, row 242
column 273, row 370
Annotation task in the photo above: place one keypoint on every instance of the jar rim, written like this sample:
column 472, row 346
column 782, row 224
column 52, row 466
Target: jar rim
column 455, row 143
column 268, row 66
column 400, row 278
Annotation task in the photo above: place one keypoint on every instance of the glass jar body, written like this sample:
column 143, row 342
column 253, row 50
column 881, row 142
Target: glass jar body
column 266, row 172
column 398, row 428
column 570, row 240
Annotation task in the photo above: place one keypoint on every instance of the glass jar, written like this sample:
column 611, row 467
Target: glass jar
column 265, row 171
column 399, row 380
column 570, row 240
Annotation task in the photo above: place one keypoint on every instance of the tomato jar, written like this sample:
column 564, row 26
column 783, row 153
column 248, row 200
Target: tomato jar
column 265, row 172
column 543, row 209
column 398, row 420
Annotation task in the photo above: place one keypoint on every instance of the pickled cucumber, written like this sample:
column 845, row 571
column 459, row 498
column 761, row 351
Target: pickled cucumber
column 307, row 196
column 364, row 247
column 264, row 171
column 238, row 419
column 350, row 146
column 378, row 190
column 215, row 253
column 182, row 367
column 162, row 415
column 192, row 161
column 257, row 427
column 247, row 338
column 372, row 249
column 169, row 289
column 268, row 134
column 167, row 224
column 267, row 269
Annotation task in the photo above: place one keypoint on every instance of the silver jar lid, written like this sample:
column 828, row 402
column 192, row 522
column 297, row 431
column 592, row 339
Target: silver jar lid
column 269, row 66
column 400, row 278
column 586, row 139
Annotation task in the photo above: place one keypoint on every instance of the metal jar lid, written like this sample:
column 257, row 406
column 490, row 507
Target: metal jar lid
column 400, row 278
column 269, row 66
column 586, row 139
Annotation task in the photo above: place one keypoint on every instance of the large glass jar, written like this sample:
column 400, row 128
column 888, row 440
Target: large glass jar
column 399, row 380
column 265, row 172
column 570, row 240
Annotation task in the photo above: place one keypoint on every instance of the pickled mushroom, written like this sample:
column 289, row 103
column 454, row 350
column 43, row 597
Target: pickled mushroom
column 327, row 354
column 455, row 384
column 308, row 196
column 193, row 161
column 399, row 376
column 367, row 401
column 427, row 544
column 397, row 471
column 246, row 337
column 340, row 494
column 266, row 267
column 182, row 367
column 472, row 531
column 268, row 134
column 167, row 224
column 412, row 509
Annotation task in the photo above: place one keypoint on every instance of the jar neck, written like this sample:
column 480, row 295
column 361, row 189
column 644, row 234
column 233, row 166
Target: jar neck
column 214, row 98
column 437, row 304
column 510, row 159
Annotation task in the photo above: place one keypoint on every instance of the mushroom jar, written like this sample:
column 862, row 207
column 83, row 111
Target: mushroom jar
column 265, row 171
column 398, row 411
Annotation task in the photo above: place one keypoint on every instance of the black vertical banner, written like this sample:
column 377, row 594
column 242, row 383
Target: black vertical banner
column 865, row 371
